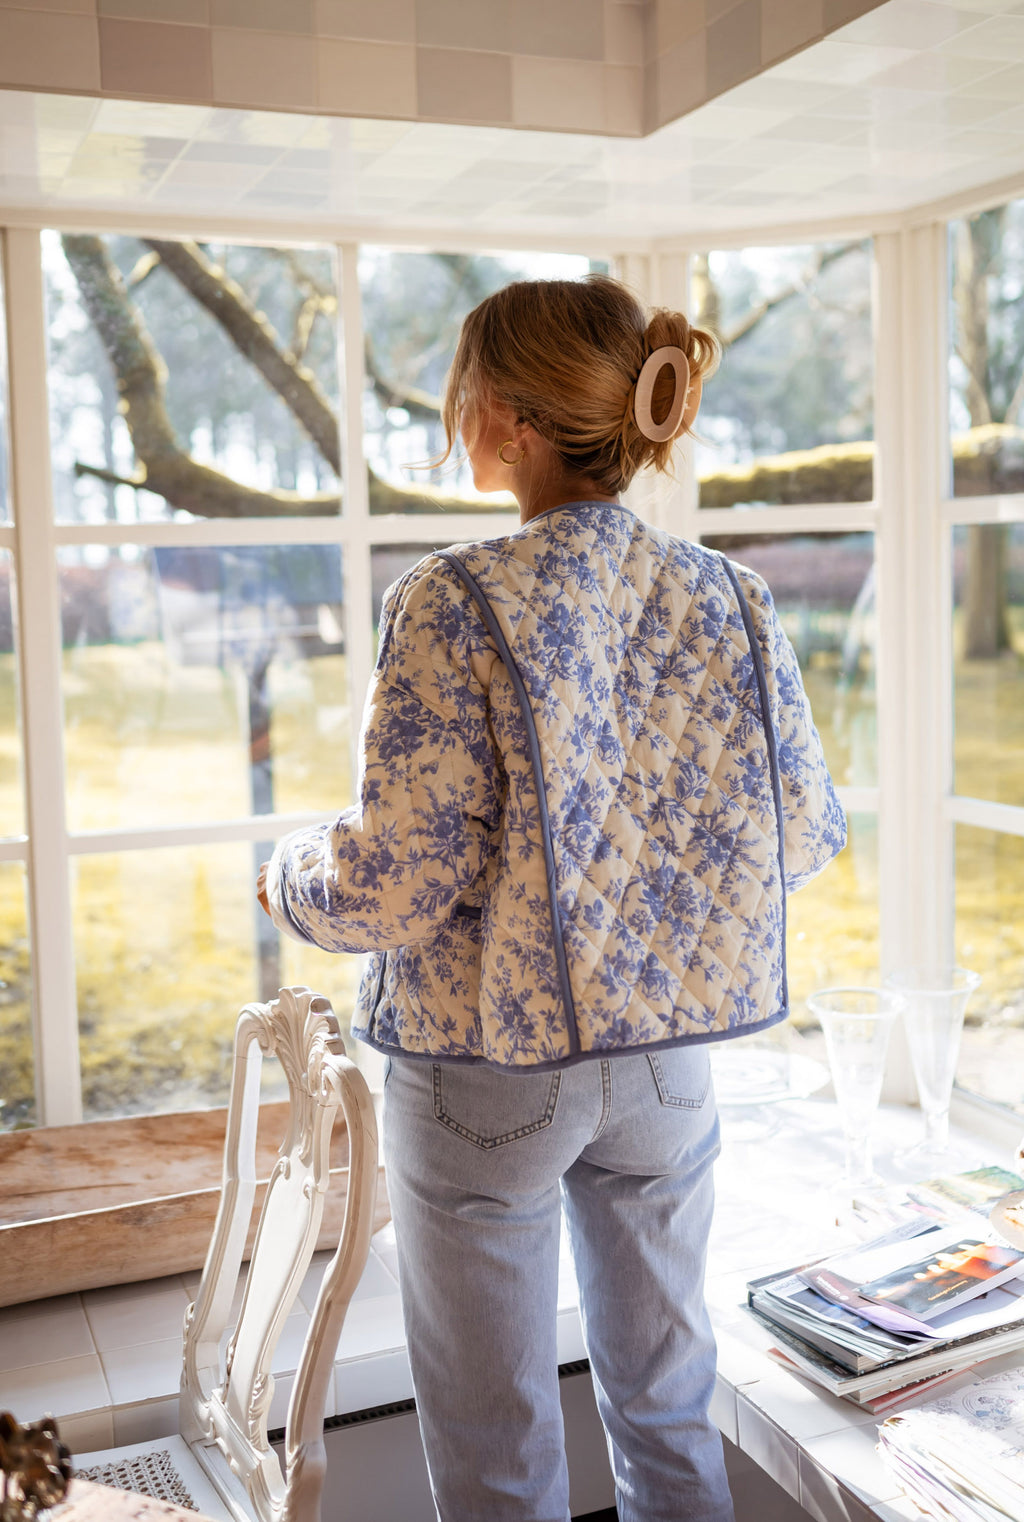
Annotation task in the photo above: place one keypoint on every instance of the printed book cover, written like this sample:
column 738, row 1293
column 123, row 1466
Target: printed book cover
column 950, row 1274
column 975, row 1191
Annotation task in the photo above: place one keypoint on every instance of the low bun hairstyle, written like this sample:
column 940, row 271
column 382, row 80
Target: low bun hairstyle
column 565, row 355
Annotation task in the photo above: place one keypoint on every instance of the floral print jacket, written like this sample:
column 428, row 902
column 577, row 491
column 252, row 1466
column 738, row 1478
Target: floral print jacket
column 575, row 828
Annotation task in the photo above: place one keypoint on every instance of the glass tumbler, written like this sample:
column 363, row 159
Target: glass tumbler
column 857, row 1023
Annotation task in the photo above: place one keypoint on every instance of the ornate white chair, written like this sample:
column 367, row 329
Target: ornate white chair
column 222, row 1460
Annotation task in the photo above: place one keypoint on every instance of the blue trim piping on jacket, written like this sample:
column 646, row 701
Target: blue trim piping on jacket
column 773, row 753
column 576, row 1054
column 494, row 628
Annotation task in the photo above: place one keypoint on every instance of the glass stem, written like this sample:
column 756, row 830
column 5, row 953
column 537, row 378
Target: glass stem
column 936, row 1129
column 858, row 1156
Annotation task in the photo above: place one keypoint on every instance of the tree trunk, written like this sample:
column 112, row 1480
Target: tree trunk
column 986, row 630
column 986, row 625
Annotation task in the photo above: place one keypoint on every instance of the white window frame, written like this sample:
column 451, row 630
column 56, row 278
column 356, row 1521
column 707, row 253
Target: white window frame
column 911, row 516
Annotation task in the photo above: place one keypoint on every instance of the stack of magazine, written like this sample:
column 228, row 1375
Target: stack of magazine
column 936, row 1294
column 961, row 1457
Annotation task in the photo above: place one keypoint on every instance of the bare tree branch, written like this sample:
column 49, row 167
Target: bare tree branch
column 164, row 466
column 317, row 300
column 111, row 477
column 418, row 404
column 986, row 460
column 797, row 287
column 254, row 337
column 141, row 270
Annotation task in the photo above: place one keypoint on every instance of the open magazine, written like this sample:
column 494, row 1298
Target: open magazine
column 942, row 1306
column 904, row 1285
column 962, row 1456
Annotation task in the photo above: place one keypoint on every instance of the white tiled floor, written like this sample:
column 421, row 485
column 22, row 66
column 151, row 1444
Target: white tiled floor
column 107, row 1362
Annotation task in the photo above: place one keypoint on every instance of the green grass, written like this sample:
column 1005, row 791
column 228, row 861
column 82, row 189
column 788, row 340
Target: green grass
column 164, row 939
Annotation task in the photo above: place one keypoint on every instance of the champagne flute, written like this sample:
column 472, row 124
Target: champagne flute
column 857, row 1023
column 935, row 998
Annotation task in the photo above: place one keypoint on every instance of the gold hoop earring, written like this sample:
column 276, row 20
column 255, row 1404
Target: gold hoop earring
column 501, row 454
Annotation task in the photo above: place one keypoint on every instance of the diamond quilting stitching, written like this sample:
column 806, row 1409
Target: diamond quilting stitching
column 686, row 706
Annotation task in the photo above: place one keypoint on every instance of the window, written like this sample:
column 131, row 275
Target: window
column 789, row 416
column 218, row 578
column 17, row 1074
column 413, row 307
column 239, row 442
column 785, row 471
column 985, row 515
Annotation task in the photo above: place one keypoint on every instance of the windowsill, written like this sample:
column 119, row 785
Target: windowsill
column 106, row 1362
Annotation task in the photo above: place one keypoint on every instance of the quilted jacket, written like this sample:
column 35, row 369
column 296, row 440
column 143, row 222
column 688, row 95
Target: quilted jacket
column 574, row 828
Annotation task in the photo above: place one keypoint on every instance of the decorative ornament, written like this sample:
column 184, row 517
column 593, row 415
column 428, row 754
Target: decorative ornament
column 35, row 1468
column 668, row 354
column 501, row 453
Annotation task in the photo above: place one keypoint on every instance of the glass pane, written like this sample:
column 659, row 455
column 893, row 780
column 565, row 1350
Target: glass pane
column 986, row 364
column 203, row 683
column 208, row 372
column 12, row 799
column 413, row 307
column 796, row 375
column 5, row 503
column 389, row 562
column 17, row 1073
column 169, row 944
column 823, row 586
column 832, row 924
column 326, row 972
column 988, row 661
column 990, row 940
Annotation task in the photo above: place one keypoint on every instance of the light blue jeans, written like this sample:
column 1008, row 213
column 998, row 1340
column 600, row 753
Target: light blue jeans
column 478, row 1164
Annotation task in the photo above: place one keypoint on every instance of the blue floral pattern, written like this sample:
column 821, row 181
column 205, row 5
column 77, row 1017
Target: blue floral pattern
column 643, row 691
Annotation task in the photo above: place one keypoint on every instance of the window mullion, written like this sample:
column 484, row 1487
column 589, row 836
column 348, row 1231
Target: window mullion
column 915, row 862
column 54, row 1001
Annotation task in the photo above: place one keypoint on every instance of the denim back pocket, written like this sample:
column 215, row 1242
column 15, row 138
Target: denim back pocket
column 491, row 1109
column 683, row 1075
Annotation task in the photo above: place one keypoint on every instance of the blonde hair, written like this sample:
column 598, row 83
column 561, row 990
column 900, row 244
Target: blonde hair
column 565, row 355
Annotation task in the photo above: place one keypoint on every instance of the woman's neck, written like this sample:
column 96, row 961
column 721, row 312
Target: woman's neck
column 556, row 493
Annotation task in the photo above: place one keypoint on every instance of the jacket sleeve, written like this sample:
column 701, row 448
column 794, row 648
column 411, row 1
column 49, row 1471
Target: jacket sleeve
column 390, row 870
column 815, row 823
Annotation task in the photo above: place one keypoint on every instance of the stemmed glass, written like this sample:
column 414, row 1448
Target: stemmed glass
column 936, row 998
column 857, row 1023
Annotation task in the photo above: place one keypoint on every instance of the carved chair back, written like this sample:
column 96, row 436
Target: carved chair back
column 227, row 1385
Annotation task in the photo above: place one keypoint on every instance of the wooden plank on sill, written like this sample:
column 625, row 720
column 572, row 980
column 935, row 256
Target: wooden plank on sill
column 118, row 1201
column 62, row 1170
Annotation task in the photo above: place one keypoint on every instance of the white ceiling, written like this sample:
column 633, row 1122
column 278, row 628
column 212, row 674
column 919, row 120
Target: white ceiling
column 916, row 101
